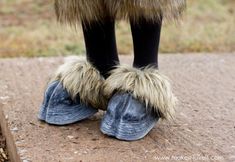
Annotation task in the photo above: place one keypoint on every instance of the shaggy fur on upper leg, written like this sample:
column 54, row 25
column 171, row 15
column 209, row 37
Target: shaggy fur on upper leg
column 152, row 10
column 72, row 11
column 83, row 80
column 147, row 85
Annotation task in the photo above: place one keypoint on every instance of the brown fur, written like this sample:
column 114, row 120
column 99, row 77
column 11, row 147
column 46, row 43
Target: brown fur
column 72, row 11
column 147, row 85
column 151, row 10
column 84, row 80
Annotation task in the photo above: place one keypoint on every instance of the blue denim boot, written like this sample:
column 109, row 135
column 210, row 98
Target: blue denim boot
column 138, row 99
column 73, row 94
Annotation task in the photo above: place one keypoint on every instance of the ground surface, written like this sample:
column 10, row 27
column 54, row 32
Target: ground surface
column 204, row 129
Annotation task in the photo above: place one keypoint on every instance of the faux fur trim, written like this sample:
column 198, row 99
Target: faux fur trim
column 147, row 85
column 152, row 10
column 83, row 80
column 72, row 11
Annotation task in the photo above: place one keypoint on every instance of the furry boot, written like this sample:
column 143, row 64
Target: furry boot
column 73, row 94
column 138, row 98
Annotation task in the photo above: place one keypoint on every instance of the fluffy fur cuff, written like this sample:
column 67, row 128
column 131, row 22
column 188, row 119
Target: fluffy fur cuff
column 147, row 85
column 83, row 80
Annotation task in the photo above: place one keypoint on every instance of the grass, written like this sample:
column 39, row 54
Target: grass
column 28, row 28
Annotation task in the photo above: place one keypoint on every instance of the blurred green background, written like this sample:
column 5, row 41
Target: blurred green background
column 29, row 28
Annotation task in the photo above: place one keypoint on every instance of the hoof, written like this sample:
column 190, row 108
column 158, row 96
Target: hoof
column 127, row 118
column 59, row 109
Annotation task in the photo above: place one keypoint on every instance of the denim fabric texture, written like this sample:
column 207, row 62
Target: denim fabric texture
column 58, row 108
column 127, row 118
